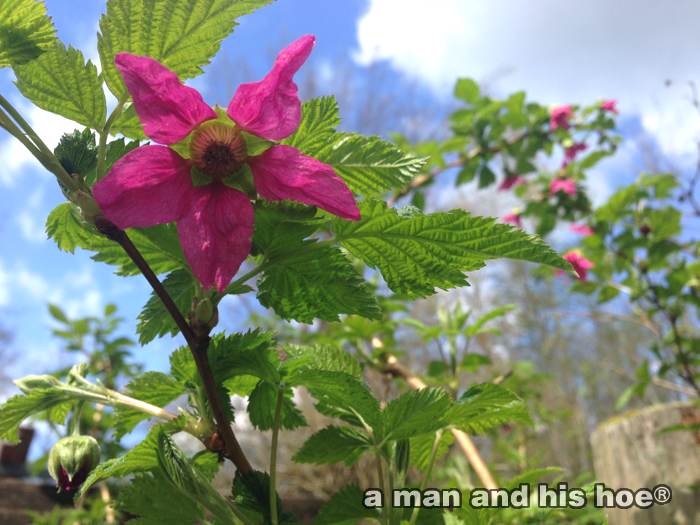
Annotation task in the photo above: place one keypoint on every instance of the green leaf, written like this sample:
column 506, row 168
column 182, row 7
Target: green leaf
column 60, row 81
column 530, row 477
column 422, row 448
column 128, row 124
column 417, row 254
column 316, row 284
column 341, row 395
column 20, row 407
column 346, row 507
column 332, row 445
column 485, row 406
column 207, row 463
column 319, row 357
column 475, row 329
column 183, row 36
column 77, row 152
column 467, row 90
column 159, row 244
column 281, row 227
column 252, row 492
column 58, row 314
column 472, row 362
column 157, row 502
column 155, row 320
column 368, row 165
column 26, row 32
column 183, row 368
column 416, row 412
column 262, row 404
column 142, row 458
column 243, row 354
column 154, row 388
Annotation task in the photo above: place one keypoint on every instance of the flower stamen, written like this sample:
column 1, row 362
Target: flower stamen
column 218, row 149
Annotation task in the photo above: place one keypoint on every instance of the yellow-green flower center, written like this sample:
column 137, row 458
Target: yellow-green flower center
column 217, row 149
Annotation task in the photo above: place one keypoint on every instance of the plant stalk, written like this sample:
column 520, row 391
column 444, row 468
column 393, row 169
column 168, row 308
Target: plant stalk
column 273, row 458
column 428, row 473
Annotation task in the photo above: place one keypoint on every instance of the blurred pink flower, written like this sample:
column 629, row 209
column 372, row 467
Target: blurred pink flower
column 580, row 264
column 153, row 184
column 510, row 182
column 565, row 185
column 571, row 151
column 609, row 105
column 513, row 218
column 560, row 116
column 583, row 229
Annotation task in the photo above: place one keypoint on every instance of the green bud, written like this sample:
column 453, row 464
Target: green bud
column 29, row 383
column 72, row 459
column 206, row 312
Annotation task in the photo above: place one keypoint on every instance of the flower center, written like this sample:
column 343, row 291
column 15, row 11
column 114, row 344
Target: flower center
column 218, row 150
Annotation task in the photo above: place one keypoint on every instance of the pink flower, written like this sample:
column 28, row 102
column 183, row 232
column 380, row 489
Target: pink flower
column 153, row 184
column 565, row 185
column 583, row 229
column 580, row 264
column 571, row 151
column 560, row 116
column 609, row 105
column 510, row 182
column 513, row 218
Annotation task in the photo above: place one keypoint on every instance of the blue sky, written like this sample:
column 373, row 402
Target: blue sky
column 559, row 52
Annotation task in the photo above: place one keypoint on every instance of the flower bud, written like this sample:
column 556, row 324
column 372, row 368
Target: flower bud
column 72, row 459
column 29, row 383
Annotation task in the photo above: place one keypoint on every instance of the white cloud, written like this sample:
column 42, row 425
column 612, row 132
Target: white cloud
column 558, row 52
column 4, row 286
column 29, row 282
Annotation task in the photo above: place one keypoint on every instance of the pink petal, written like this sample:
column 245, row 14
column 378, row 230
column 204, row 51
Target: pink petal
column 509, row 182
column 560, row 116
column 271, row 108
column 168, row 110
column 512, row 218
column 565, row 185
column 283, row 172
column 147, row 186
column 609, row 105
column 216, row 233
column 583, row 229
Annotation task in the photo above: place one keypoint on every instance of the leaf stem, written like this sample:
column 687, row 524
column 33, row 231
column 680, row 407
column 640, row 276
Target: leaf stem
column 428, row 473
column 104, row 133
column 273, row 458
column 380, row 480
column 198, row 343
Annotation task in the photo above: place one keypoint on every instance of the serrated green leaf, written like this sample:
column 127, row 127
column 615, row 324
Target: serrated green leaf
column 341, row 395
column 207, row 463
column 26, row 32
column 415, row 412
column 155, row 320
column 252, row 492
column 157, row 502
column 20, row 407
column 183, row 368
column 485, row 406
column 262, row 404
column 281, row 227
column 182, row 35
column 77, row 152
column 333, row 445
column 319, row 357
column 422, row 448
column 319, row 117
column 243, row 354
column 154, row 388
column 316, row 284
column 60, row 81
column 346, row 507
column 417, row 254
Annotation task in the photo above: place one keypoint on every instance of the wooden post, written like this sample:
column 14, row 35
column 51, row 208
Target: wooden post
column 629, row 452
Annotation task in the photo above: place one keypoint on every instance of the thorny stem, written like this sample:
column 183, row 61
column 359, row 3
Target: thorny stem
column 428, row 473
column 198, row 343
column 104, row 134
column 273, row 458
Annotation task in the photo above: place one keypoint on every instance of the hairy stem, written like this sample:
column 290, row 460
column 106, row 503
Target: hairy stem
column 428, row 473
column 198, row 344
column 273, row 458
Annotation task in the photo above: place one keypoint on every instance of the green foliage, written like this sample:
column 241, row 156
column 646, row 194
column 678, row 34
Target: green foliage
column 183, row 36
column 158, row 244
column 26, row 32
column 77, row 152
column 281, row 227
column 154, row 388
column 319, row 357
column 415, row 413
column 319, row 283
column 467, row 90
column 346, row 508
column 417, row 253
column 20, row 407
column 422, row 448
column 262, row 404
column 484, row 406
column 334, row 444
column 477, row 328
column 252, row 492
column 368, row 165
column 243, row 354
column 61, row 82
